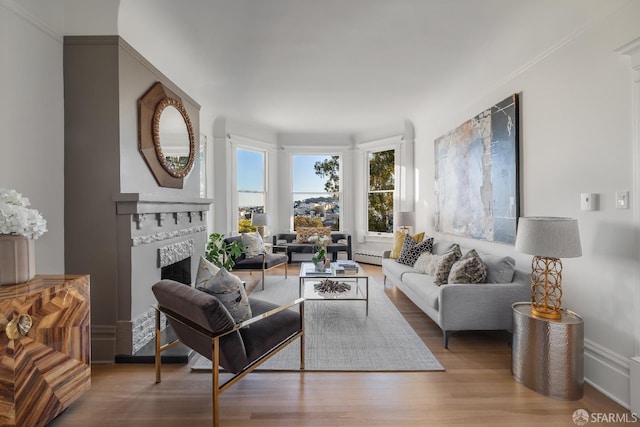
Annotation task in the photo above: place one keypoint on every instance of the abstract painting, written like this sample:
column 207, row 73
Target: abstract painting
column 476, row 173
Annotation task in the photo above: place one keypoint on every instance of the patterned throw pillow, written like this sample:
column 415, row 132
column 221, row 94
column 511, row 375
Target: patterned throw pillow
column 398, row 240
column 445, row 262
column 426, row 263
column 411, row 250
column 229, row 290
column 206, row 271
column 303, row 233
column 468, row 269
column 253, row 244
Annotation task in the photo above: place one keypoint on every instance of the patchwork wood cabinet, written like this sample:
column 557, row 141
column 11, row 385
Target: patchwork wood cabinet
column 45, row 348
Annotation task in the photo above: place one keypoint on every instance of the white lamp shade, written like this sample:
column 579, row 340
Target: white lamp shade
column 549, row 237
column 405, row 219
column 260, row 219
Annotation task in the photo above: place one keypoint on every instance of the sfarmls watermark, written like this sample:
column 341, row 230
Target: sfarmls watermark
column 582, row 417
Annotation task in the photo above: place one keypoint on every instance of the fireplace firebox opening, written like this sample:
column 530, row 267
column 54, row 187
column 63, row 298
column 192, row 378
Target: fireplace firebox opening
column 179, row 271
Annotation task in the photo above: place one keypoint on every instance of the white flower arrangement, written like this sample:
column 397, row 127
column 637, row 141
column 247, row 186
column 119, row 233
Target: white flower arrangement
column 17, row 219
column 322, row 240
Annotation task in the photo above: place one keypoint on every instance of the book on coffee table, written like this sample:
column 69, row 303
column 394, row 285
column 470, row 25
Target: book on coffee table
column 347, row 265
column 310, row 270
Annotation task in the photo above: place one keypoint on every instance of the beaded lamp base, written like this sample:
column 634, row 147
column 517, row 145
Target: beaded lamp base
column 546, row 290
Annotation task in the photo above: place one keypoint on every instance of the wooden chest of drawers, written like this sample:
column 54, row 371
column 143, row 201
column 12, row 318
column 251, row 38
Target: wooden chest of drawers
column 45, row 348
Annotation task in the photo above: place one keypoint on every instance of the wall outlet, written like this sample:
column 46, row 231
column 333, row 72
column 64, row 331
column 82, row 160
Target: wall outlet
column 622, row 199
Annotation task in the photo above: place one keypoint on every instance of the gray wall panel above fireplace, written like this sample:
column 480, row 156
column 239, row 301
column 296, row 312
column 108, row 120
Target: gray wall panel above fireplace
column 108, row 184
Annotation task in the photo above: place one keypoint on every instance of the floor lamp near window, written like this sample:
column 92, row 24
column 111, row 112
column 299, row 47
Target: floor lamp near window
column 548, row 239
column 260, row 220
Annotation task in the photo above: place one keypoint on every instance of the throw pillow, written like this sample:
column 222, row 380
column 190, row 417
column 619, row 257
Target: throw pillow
column 253, row 244
column 445, row 262
column 230, row 292
column 426, row 263
column 500, row 269
column 303, row 233
column 468, row 269
column 411, row 250
column 398, row 240
column 206, row 271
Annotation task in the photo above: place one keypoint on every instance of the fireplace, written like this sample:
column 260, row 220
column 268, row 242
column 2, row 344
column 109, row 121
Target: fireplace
column 161, row 239
column 179, row 271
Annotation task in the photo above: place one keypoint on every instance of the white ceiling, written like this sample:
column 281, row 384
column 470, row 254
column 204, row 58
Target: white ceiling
column 344, row 65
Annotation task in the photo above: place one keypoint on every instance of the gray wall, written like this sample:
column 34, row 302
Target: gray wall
column 104, row 78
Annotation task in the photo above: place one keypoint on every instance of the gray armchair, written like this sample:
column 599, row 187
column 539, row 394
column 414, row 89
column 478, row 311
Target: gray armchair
column 203, row 324
column 262, row 262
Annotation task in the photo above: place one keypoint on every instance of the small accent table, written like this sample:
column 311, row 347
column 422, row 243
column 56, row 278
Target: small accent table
column 548, row 355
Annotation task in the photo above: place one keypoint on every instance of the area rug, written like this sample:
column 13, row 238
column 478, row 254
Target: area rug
column 339, row 336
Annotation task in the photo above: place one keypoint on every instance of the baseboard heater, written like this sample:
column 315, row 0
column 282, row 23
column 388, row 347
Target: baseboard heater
column 368, row 256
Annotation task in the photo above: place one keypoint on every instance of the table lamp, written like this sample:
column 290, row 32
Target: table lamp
column 260, row 220
column 548, row 239
column 405, row 220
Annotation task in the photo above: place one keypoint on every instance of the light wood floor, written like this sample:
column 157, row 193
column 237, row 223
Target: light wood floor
column 476, row 389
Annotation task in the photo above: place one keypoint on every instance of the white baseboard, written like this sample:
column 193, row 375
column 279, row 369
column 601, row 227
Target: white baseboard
column 608, row 372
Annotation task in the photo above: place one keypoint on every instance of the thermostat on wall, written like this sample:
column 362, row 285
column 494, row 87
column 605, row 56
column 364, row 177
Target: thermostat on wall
column 589, row 201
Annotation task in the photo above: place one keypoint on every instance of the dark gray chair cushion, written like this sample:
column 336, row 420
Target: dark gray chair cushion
column 207, row 312
column 238, row 349
column 255, row 263
column 264, row 335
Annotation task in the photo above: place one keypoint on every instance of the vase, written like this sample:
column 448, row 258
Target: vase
column 319, row 265
column 17, row 259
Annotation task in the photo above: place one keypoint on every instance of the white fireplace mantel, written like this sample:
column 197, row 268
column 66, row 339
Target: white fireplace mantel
column 137, row 203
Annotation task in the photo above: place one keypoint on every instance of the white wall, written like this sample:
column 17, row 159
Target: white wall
column 576, row 136
column 32, row 122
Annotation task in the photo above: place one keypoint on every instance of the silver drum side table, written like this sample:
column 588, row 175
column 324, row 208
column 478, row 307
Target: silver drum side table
column 547, row 355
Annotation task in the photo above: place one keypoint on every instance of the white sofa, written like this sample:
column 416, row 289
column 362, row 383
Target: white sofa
column 463, row 307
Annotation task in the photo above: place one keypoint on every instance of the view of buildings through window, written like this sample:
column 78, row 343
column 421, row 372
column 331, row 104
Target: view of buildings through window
column 381, row 167
column 251, row 184
column 316, row 191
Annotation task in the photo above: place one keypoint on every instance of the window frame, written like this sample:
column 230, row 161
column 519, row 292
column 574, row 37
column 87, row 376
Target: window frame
column 394, row 192
column 255, row 146
column 327, row 153
column 403, row 198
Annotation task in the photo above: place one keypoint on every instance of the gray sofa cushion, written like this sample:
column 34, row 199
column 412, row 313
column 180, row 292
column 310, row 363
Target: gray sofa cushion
column 500, row 269
column 396, row 269
column 422, row 286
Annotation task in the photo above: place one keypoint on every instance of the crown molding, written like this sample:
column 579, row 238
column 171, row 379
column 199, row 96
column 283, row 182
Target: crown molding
column 18, row 10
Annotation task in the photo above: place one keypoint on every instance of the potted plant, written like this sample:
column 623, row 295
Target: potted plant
column 319, row 257
column 223, row 254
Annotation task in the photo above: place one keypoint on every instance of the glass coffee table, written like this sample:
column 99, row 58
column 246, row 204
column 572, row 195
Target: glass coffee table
column 329, row 286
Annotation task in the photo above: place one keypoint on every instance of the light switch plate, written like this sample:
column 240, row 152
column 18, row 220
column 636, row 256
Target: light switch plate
column 622, row 199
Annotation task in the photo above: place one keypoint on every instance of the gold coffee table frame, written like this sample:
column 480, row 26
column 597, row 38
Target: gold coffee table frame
column 308, row 277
